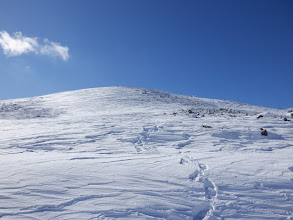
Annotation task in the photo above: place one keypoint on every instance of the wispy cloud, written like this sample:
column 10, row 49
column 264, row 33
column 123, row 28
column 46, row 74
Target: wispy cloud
column 17, row 44
column 54, row 49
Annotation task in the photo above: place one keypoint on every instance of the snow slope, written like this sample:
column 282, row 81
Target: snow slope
column 130, row 153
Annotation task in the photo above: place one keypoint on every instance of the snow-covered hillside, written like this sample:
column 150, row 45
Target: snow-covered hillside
column 129, row 153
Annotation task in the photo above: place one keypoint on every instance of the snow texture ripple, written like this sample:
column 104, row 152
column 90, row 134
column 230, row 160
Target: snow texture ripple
column 130, row 153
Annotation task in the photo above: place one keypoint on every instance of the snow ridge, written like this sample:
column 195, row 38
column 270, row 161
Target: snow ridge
column 131, row 153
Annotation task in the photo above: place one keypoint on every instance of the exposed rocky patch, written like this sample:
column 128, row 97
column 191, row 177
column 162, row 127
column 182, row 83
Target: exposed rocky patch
column 25, row 110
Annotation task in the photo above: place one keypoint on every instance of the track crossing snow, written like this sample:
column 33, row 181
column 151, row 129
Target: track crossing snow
column 130, row 153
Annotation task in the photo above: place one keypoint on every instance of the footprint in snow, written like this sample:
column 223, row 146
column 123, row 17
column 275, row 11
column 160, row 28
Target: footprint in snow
column 193, row 161
column 186, row 160
column 142, row 141
column 209, row 188
column 194, row 175
column 203, row 166
column 200, row 211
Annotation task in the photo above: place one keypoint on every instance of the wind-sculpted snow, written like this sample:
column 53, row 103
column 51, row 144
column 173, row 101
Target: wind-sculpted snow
column 129, row 153
column 26, row 109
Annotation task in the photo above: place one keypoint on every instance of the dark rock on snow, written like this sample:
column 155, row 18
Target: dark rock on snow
column 264, row 133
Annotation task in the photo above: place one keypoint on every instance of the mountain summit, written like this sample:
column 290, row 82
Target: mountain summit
column 131, row 153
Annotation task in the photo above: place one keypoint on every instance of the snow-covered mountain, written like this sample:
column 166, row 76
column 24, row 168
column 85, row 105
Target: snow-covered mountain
column 130, row 153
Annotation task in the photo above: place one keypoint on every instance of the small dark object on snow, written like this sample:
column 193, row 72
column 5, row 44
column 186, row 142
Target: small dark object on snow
column 206, row 126
column 286, row 119
column 175, row 113
column 260, row 116
column 264, row 133
column 190, row 111
column 261, row 129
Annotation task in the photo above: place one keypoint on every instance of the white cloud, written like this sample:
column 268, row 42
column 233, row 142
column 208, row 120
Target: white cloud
column 54, row 49
column 17, row 44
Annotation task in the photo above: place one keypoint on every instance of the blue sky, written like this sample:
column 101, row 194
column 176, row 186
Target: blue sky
column 234, row 50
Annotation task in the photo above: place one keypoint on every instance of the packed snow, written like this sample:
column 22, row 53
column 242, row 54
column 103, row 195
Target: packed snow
column 130, row 153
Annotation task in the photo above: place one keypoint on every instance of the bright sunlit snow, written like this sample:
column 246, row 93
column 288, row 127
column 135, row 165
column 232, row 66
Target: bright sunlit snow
column 129, row 153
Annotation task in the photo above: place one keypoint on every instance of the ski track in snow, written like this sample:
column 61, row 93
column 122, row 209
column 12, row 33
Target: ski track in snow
column 128, row 153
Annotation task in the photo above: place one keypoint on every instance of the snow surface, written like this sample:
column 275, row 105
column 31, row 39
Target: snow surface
column 129, row 153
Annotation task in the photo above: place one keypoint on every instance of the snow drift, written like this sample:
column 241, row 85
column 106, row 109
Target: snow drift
column 130, row 153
